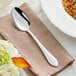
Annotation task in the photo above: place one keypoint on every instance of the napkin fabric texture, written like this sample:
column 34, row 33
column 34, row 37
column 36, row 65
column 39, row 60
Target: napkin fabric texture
column 30, row 50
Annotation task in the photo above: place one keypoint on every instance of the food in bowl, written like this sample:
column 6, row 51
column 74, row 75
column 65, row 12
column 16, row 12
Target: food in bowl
column 10, row 60
column 70, row 7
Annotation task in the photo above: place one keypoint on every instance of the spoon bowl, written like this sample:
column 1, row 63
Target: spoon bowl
column 20, row 19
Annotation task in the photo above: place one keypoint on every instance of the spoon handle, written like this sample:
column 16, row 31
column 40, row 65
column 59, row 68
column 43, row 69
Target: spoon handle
column 50, row 58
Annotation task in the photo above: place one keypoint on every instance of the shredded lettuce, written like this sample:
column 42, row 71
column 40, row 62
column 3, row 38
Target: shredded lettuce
column 73, row 0
column 4, row 57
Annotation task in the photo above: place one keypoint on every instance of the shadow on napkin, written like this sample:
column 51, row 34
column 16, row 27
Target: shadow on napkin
column 29, row 49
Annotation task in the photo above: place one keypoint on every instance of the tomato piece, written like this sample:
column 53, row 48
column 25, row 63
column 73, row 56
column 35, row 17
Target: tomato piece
column 67, row 0
column 21, row 62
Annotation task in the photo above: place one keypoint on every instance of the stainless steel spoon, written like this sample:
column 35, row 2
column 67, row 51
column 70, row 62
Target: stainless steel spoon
column 22, row 22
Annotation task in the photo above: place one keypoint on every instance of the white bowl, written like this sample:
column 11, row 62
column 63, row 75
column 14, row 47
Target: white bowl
column 4, row 3
column 59, row 17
